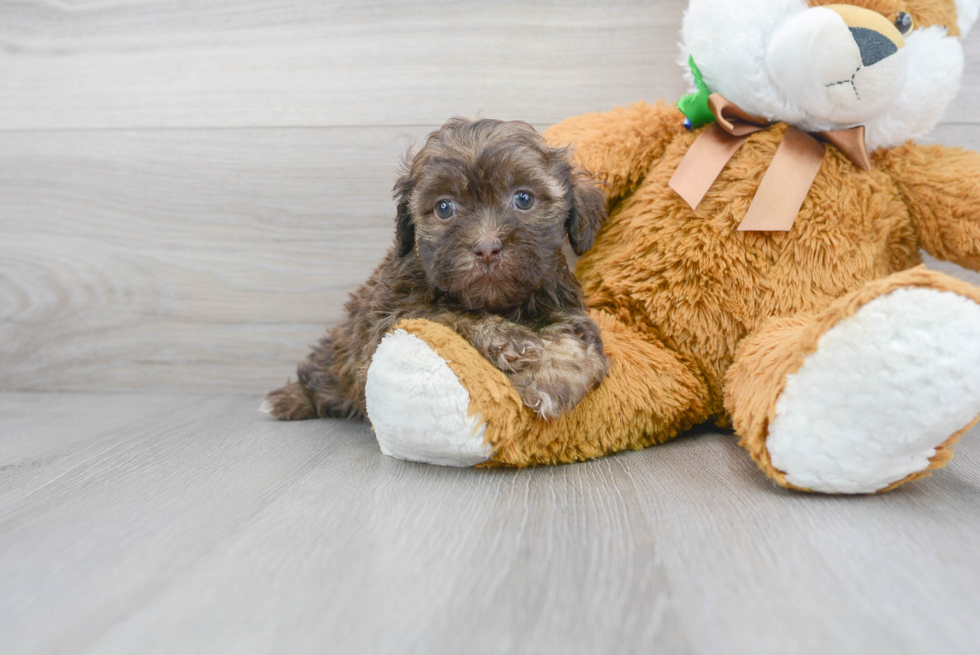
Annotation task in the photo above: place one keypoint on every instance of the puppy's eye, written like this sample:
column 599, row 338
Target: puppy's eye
column 523, row 200
column 445, row 209
column 904, row 22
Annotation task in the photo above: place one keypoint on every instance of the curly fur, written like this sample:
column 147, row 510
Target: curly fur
column 521, row 307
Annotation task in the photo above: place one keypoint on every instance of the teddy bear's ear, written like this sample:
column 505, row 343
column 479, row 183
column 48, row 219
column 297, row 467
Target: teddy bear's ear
column 968, row 11
column 587, row 210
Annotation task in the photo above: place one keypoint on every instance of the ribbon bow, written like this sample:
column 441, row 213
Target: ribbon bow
column 788, row 180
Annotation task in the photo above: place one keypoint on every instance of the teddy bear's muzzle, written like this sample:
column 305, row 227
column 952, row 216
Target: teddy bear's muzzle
column 841, row 64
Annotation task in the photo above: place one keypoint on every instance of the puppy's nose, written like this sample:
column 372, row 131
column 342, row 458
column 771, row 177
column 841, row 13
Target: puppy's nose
column 487, row 250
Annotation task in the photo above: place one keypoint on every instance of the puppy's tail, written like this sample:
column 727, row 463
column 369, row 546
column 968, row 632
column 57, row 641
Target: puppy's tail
column 290, row 403
column 298, row 401
column 330, row 375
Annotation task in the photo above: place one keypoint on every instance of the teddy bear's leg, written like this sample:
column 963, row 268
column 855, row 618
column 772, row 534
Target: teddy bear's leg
column 432, row 398
column 869, row 394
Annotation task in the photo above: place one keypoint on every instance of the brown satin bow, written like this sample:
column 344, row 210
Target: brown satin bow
column 785, row 185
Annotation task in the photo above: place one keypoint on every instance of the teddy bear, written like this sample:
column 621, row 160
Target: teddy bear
column 760, row 266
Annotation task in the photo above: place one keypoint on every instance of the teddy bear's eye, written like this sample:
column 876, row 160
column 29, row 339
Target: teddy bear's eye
column 904, row 22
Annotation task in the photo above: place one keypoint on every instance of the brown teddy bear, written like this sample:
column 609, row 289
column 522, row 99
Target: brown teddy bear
column 759, row 267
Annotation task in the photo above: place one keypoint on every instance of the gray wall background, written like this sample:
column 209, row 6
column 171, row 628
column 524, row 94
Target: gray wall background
column 188, row 190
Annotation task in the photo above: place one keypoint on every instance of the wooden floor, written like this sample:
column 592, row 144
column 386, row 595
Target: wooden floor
column 193, row 524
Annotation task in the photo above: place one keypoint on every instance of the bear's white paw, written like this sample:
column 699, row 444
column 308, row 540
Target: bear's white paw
column 883, row 390
column 418, row 407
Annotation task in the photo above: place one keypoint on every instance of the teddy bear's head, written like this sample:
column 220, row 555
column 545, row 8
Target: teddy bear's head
column 890, row 65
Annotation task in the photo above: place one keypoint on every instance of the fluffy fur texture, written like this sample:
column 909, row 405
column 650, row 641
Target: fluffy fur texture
column 881, row 373
column 409, row 380
column 650, row 395
column 484, row 209
column 704, row 322
column 917, row 349
column 739, row 44
column 968, row 11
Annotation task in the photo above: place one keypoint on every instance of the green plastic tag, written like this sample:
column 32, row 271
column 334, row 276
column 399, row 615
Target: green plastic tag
column 695, row 105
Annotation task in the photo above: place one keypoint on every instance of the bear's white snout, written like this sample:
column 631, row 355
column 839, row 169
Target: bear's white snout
column 842, row 64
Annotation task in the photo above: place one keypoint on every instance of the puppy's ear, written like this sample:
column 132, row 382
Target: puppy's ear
column 404, row 223
column 587, row 210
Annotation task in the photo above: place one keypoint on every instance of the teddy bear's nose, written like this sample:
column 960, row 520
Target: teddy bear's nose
column 874, row 46
column 877, row 38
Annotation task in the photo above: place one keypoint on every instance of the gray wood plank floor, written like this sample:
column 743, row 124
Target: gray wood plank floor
column 192, row 524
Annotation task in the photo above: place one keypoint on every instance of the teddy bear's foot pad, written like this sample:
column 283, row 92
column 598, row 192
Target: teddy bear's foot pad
column 419, row 409
column 884, row 389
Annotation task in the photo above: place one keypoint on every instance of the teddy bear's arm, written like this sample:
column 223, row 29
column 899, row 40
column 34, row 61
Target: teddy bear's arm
column 941, row 187
column 432, row 397
column 619, row 146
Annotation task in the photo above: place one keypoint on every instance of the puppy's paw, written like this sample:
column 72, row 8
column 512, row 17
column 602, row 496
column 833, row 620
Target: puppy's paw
column 552, row 392
column 514, row 349
column 548, row 401
column 568, row 370
column 290, row 403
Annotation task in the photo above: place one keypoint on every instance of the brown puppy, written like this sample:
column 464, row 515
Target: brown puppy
column 483, row 212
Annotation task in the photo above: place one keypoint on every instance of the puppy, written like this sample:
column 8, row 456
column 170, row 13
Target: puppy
column 484, row 209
